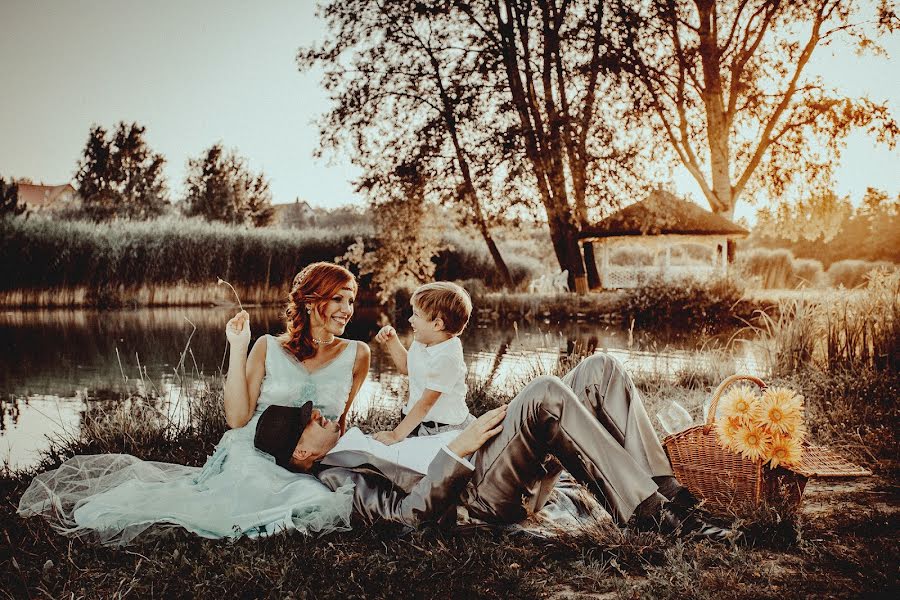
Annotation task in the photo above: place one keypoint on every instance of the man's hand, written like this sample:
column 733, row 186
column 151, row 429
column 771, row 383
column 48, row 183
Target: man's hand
column 386, row 437
column 478, row 432
column 237, row 330
column 386, row 334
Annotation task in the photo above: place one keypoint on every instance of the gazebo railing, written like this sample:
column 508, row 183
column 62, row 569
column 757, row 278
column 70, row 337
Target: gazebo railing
column 613, row 277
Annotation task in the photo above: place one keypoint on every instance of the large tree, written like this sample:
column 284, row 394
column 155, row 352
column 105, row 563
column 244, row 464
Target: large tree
column 221, row 187
column 728, row 85
column 500, row 100
column 560, row 83
column 405, row 96
column 119, row 176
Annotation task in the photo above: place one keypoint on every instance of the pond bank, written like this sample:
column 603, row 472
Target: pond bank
column 608, row 307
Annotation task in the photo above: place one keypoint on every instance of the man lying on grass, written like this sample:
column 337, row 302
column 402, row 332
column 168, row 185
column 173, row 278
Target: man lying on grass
column 593, row 421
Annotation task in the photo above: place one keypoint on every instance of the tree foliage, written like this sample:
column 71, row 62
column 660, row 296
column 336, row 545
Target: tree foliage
column 9, row 198
column 560, row 105
column 830, row 229
column 727, row 85
column 221, row 187
column 505, row 105
column 403, row 255
column 119, row 176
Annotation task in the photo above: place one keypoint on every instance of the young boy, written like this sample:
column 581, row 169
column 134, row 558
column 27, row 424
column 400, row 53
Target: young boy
column 434, row 363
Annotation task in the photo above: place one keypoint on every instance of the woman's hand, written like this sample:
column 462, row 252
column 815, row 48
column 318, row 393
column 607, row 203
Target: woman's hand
column 478, row 432
column 237, row 330
column 386, row 334
column 386, row 437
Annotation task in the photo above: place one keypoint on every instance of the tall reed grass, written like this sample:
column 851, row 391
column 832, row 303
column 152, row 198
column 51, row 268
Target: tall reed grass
column 468, row 258
column 176, row 261
column 856, row 330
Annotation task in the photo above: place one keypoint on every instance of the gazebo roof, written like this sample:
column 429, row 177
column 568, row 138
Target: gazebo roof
column 662, row 213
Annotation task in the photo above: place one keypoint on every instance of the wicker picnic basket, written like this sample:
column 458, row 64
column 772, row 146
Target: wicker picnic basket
column 732, row 484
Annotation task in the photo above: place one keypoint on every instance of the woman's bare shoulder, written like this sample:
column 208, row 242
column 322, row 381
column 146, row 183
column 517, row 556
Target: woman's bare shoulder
column 363, row 353
column 258, row 352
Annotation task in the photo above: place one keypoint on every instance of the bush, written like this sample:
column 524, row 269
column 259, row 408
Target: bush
column 809, row 271
column 772, row 269
column 683, row 302
column 852, row 273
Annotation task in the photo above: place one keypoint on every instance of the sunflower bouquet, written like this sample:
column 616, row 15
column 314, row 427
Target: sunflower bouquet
column 766, row 427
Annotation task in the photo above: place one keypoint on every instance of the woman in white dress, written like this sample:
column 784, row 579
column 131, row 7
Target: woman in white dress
column 239, row 491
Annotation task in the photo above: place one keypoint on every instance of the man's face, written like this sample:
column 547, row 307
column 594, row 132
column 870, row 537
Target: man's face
column 319, row 437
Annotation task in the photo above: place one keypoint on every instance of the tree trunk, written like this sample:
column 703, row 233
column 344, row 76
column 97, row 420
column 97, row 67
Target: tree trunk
column 590, row 264
column 469, row 190
column 717, row 125
column 568, row 253
column 502, row 269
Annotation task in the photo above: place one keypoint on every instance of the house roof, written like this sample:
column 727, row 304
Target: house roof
column 40, row 196
column 662, row 213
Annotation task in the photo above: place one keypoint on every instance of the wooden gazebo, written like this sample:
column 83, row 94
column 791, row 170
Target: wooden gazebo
column 653, row 228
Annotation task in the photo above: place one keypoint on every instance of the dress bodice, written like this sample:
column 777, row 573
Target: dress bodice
column 289, row 383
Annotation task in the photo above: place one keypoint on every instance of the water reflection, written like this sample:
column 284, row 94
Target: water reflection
column 55, row 365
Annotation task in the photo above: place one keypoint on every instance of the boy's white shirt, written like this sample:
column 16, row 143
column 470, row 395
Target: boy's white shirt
column 441, row 368
column 414, row 453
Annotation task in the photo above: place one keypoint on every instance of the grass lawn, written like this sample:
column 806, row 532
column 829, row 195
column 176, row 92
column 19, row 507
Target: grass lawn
column 842, row 544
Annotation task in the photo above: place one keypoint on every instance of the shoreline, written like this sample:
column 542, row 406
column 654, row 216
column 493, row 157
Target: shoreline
column 604, row 306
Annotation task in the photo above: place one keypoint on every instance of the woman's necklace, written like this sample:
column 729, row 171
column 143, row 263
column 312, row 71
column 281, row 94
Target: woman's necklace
column 325, row 342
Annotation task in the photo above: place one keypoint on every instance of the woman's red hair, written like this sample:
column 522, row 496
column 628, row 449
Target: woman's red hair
column 316, row 284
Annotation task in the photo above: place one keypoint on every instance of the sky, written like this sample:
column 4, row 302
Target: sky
column 200, row 72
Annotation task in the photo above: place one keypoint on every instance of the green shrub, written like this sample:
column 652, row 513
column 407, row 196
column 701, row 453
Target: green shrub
column 809, row 272
column 852, row 273
column 771, row 269
column 684, row 302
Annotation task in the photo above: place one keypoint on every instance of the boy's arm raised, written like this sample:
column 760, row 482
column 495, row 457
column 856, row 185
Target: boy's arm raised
column 388, row 338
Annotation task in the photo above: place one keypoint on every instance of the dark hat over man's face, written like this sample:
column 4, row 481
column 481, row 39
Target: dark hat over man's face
column 279, row 429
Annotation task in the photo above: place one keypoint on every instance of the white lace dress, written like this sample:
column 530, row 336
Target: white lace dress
column 239, row 491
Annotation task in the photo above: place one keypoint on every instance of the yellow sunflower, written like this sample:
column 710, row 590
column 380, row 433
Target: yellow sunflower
column 727, row 429
column 784, row 450
column 780, row 410
column 753, row 442
column 738, row 403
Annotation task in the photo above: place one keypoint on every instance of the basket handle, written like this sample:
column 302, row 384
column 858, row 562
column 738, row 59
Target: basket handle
column 711, row 416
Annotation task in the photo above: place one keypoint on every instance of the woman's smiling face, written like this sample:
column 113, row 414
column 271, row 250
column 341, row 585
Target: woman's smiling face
column 336, row 312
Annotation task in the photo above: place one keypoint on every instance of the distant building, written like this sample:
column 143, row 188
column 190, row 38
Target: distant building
column 39, row 198
column 297, row 215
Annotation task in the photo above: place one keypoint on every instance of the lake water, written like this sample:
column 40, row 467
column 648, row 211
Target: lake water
column 54, row 365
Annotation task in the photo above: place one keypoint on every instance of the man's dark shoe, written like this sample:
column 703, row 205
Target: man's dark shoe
column 684, row 500
column 691, row 526
column 685, row 524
